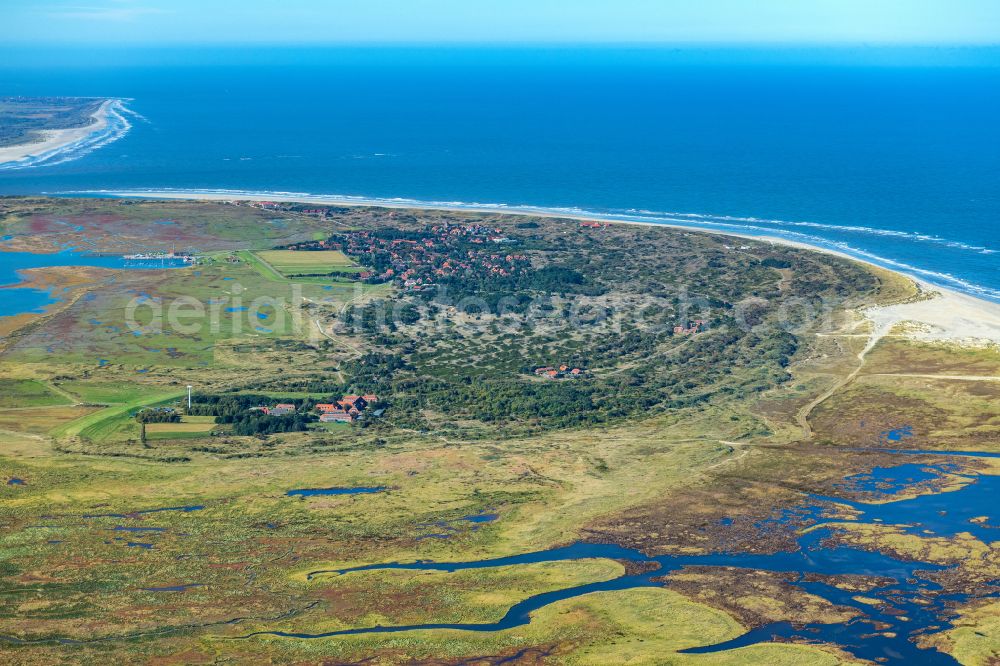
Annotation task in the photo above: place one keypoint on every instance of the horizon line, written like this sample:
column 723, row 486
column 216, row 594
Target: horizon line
column 660, row 44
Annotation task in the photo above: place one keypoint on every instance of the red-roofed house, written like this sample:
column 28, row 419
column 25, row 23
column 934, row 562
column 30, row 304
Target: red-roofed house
column 337, row 416
column 353, row 403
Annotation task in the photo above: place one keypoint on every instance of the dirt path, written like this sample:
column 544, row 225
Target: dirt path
column 36, row 407
column 961, row 378
column 745, row 446
column 319, row 327
column 26, row 435
column 337, row 373
column 879, row 331
column 64, row 393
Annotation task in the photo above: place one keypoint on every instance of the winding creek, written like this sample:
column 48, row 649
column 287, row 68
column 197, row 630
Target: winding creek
column 910, row 601
column 903, row 600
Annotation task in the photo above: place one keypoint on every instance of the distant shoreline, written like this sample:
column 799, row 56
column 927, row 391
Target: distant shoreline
column 535, row 211
column 949, row 315
column 109, row 124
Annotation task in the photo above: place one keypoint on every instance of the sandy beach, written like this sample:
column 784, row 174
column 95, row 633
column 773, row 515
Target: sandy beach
column 54, row 140
column 942, row 315
column 945, row 316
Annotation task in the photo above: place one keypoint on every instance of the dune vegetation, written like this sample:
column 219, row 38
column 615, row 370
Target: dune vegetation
column 730, row 400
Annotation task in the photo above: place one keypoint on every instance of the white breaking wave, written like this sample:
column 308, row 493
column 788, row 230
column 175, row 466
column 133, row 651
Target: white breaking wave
column 841, row 228
column 135, row 114
column 116, row 127
column 743, row 225
column 934, row 277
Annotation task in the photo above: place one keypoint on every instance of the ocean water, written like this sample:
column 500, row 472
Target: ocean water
column 892, row 156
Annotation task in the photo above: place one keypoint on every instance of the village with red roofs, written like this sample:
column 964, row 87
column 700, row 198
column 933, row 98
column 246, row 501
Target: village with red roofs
column 417, row 260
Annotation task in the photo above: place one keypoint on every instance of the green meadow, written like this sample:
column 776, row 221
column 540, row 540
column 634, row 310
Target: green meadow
column 28, row 393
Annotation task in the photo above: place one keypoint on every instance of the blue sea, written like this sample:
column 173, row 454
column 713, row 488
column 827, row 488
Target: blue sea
column 892, row 155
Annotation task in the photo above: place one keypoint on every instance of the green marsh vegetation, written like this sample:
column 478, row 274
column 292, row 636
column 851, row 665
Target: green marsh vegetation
column 666, row 434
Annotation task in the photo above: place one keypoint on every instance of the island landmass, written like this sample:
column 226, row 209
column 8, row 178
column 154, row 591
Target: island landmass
column 347, row 432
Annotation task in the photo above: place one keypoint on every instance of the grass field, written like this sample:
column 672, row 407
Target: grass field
column 114, row 420
column 183, row 430
column 332, row 426
column 198, row 419
column 42, row 420
column 325, row 274
column 108, row 392
column 28, row 393
column 182, row 427
column 290, row 262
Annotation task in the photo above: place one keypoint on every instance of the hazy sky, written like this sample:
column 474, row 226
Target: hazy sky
column 344, row 21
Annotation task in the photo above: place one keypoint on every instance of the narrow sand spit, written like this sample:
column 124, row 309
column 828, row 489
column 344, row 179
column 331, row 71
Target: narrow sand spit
column 53, row 140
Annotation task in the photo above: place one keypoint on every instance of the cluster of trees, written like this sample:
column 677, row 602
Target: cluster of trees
column 258, row 423
column 720, row 363
column 374, row 372
column 380, row 261
column 238, row 411
column 560, row 280
column 304, row 384
column 343, row 275
column 226, row 407
column 376, row 318
column 556, row 404
column 158, row 415
column 516, row 291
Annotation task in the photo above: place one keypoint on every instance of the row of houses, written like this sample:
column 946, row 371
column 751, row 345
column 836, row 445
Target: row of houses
column 281, row 409
column 345, row 410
